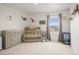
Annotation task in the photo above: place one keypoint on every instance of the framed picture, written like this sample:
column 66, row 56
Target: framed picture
column 42, row 22
column 23, row 18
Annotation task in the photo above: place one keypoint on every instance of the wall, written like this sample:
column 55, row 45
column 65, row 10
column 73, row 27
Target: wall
column 75, row 34
column 16, row 23
column 42, row 16
column 37, row 17
column 74, row 29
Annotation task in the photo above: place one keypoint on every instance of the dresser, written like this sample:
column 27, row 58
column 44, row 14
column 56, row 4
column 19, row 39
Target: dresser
column 10, row 38
column 0, row 42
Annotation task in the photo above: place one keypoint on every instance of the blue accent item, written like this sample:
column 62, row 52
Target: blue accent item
column 66, row 37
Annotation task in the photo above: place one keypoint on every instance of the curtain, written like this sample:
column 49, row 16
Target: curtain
column 60, row 29
column 48, row 33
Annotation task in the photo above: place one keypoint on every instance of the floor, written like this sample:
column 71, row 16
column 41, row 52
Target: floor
column 47, row 48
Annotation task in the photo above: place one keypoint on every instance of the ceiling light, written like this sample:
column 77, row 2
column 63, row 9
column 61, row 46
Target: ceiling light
column 35, row 3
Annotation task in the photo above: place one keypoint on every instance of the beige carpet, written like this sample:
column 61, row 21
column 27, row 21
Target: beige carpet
column 50, row 48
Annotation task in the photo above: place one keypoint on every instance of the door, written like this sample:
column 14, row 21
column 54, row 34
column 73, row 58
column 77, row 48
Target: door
column 54, row 24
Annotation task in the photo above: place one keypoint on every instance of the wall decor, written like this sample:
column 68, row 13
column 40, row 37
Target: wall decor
column 32, row 19
column 42, row 22
column 10, row 18
column 23, row 18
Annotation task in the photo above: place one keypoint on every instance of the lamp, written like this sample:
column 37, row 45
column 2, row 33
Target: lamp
column 76, row 9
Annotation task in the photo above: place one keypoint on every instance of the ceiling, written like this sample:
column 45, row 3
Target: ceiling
column 38, row 8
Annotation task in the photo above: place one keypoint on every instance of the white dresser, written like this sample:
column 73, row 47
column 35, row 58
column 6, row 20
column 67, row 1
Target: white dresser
column 0, row 42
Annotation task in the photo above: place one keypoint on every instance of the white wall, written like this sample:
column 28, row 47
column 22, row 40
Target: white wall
column 74, row 29
column 37, row 17
column 75, row 34
column 16, row 23
column 42, row 16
